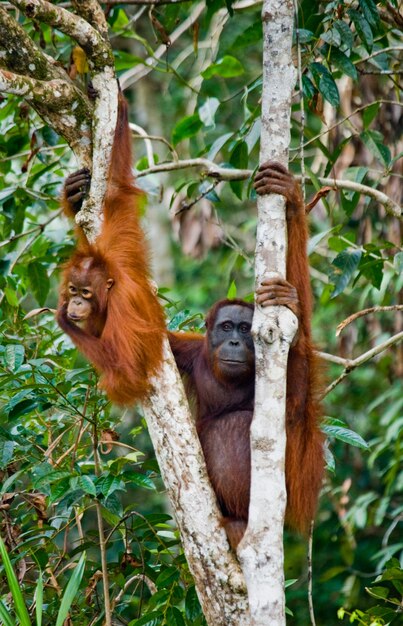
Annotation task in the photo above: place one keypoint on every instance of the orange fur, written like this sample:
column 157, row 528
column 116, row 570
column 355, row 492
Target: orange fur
column 124, row 339
column 224, row 411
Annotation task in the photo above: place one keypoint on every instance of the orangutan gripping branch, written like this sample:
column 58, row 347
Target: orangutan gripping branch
column 107, row 305
column 220, row 369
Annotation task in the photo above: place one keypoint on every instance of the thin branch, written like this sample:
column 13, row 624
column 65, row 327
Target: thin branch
column 354, row 363
column 377, row 52
column 39, row 227
column 333, row 358
column 151, row 587
column 156, row 138
column 223, row 173
column 310, row 576
column 381, row 72
column 210, row 169
column 149, row 146
column 374, row 309
column 186, row 206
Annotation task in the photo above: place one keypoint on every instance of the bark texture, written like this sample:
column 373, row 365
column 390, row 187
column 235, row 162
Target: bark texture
column 261, row 551
column 89, row 129
column 218, row 577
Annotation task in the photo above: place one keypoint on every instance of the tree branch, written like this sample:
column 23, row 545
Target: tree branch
column 21, row 55
column 227, row 174
column 54, row 101
column 91, row 11
column 218, row 578
column 72, row 25
column 261, row 549
column 373, row 309
column 352, row 364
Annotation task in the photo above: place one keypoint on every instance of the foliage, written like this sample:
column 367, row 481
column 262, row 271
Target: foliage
column 67, row 455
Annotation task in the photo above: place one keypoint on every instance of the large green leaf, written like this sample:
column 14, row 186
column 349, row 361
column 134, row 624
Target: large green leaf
column 344, row 266
column 227, row 67
column 370, row 11
column 363, row 28
column 187, row 127
column 346, row 435
column 39, row 280
column 325, row 83
column 71, row 591
column 5, row 616
column 14, row 586
column 343, row 63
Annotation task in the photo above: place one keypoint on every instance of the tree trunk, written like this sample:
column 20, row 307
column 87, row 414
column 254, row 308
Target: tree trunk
column 261, row 551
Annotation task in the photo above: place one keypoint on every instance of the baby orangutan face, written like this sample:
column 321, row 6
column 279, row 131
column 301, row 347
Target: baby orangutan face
column 87, row 291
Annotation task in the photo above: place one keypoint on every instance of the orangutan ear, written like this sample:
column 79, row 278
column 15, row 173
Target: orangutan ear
column 109, row 283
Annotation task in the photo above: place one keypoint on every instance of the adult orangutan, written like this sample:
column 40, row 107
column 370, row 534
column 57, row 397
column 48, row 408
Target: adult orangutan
column 107, row 305
column 220, row 370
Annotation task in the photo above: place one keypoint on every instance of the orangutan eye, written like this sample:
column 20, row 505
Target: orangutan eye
column 72, row 289
column 87, row 293
column 244, row 328
column 227, row 326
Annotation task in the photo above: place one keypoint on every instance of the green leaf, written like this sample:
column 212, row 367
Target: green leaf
column 142, row 480
column 167, row 577
column 151, row 619
column 376, row 146
column 325, row 83
column 174, row 617
column 11, row 297
column 369, row 114
column 308, row 87
column 7, row 193
column 217, row 145
column 71, row 591
column 332, row 37
column 208, row 110
column 304, row 35
column 251, row 35
column 344, row 266
column 227, row 67
column 39, row 600
column 363, row 29
column 39, row 280
column 192, row 605
column 187, row 127
column 108, row 484
column 24, row 407
column 370, row 11
column 14, row 356
column 87, row 485
column 398, row 262
column 239, row 160
column 372, row 269
column 232, row 291
column 346, row 435
column 378, row 592
column 14, row 586
column 343, row 63
column 5, row 616
column 6, row 452
column 347, row 36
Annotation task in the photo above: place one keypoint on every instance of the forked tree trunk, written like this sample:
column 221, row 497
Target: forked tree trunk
column 261, row 551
